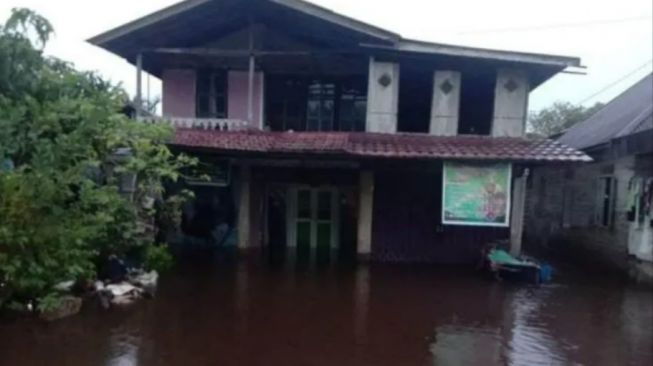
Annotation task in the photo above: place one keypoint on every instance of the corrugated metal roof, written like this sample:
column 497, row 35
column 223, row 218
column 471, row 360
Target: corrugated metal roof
column 628, row 113
column 376, row 145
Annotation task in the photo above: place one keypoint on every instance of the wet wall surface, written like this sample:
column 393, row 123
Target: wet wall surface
column 379, row 315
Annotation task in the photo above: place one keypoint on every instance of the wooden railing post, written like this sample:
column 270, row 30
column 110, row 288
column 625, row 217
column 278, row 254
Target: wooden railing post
column 139, row 87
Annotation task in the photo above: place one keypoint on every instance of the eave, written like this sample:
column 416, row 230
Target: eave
column 360, row 145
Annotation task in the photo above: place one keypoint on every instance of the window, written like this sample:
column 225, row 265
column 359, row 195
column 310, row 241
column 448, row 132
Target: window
column 353, row 106
column 285, row 102
column 211, row 94
column 605, row 199
column 320, row 106
column 316, row 104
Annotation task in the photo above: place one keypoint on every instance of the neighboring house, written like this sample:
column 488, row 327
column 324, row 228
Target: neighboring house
column 323, row 133
column 603, row 209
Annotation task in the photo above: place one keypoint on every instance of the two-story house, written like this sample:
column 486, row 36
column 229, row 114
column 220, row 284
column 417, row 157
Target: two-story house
column 328, row 135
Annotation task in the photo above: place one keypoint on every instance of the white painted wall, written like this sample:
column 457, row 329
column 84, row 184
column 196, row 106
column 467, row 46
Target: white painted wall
column 178, row 93
column 510, row 105
column 445, row 106
column 382, row 101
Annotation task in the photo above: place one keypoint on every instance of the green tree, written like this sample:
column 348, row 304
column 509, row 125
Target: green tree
column 65, row 149
column 559, row 117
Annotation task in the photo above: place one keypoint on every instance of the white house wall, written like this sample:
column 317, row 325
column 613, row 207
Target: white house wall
column 446, row 103
column 510, row 103
column 382, row 97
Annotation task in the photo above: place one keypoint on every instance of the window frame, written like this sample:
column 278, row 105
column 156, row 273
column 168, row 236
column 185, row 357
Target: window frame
column 340, row 103
column 605, row 215
column 215, row 92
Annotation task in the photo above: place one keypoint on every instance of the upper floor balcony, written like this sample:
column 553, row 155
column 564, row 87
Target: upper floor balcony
column 290, row 65
column 371, row 96
column 272, row 65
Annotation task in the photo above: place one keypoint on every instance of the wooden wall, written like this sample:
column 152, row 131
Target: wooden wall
column 407, row 221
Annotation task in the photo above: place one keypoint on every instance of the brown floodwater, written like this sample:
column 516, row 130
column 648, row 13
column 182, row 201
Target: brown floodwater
column 251, row 314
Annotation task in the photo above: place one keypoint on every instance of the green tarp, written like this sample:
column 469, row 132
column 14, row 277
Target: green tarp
column 499, row 256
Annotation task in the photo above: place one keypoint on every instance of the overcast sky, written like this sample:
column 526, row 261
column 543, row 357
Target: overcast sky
column 614, row 38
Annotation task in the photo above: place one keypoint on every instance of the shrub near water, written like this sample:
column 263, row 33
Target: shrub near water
column 60, row 212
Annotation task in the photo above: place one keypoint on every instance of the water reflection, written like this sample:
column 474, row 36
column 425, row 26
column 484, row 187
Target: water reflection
column 459, row 345
column 361, row 294
column 123, row 349
column 242, row 297
column 529, row 341
column 251, row 314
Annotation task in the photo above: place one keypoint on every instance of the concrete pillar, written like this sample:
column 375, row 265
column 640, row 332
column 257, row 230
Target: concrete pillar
column 517, row 213
column 445, row 104
column 510, row 103
column 365, row 214
column 382, row 97
column 244, row 208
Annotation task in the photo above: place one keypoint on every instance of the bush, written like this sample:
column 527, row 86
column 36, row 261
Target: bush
column 158, row 258
column 61, row 209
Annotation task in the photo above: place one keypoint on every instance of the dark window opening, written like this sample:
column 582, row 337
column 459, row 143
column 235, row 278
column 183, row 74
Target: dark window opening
column 320, row 106
column 352, row 105
column 415, row 94
column 476, row 104
column 606, row 199
column 316, row 104
column 211, row 94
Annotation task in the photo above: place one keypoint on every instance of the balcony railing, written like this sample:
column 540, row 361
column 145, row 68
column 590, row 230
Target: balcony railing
column 216, row 124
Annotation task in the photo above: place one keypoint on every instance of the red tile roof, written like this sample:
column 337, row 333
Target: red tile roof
column 400, row 145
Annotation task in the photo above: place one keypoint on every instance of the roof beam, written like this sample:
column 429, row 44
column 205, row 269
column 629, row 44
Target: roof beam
column 146, row 20
column 460, row 51
column 338, row 19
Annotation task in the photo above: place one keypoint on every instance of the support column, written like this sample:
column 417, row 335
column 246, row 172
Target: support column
column 445, row 105
column 139, row 86
column 244, row 208
column 250, row 76
column 382, row 97
column 365, row 214
column 517, row 214
column 510, row 103
column 250, row 91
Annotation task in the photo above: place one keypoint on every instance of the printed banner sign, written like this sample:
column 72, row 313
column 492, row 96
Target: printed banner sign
column 476, row 194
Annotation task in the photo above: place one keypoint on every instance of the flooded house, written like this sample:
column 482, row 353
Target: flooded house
column 602, row 211
column 326, row 137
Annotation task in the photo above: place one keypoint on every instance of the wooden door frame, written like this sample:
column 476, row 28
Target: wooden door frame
column 291, row 214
